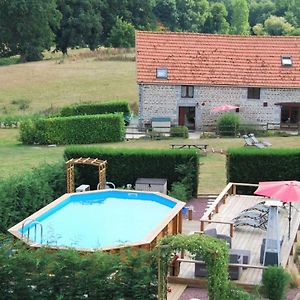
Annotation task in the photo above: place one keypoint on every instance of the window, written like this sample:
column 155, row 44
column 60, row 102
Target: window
column 162, row 73
column 253, row 93
column 187, row 91
column 286, row 61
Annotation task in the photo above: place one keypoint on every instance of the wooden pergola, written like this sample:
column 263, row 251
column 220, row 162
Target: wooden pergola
column 70, row 164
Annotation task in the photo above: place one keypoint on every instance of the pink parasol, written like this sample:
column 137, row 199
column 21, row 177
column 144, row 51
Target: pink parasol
column 286, row 191
column 224, row 107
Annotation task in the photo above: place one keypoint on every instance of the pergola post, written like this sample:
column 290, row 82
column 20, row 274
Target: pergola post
column 87, row 161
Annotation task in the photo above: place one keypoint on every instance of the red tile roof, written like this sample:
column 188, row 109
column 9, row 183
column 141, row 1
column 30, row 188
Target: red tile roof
column 207, row 59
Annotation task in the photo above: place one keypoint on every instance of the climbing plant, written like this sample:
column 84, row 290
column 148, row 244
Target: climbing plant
column 212, row 251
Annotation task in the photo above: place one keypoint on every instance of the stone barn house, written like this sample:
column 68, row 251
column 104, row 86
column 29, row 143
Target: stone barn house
column 182, row 76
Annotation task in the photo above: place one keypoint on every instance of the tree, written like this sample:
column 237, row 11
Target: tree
column 216, row 20
column 277, row 26
column 259, row 11
column 240, row 17
column 26, row 27
column 192, row 14
column 141, row 14
column 294, row 10
column 258, row 29
column 80, row 24
column 166, row 12
column 122, row 34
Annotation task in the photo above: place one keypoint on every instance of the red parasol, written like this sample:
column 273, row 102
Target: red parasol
column 225, row 107
column 285, row 191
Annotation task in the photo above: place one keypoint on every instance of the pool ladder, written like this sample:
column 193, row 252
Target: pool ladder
column 30, row 223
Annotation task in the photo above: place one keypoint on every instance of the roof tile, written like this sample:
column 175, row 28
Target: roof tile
column 206, row 59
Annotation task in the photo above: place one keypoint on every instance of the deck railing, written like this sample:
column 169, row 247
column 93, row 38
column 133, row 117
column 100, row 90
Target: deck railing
column 230, row 189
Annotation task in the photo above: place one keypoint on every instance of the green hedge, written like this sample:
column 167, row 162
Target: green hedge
column 96, row 108
column 73, row 130
column 22, row 195
column 126, row 165
column 66, row 274
column 251, row 165
column 179, row 131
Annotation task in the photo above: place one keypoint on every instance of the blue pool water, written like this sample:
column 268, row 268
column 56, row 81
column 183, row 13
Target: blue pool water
column 101, row 219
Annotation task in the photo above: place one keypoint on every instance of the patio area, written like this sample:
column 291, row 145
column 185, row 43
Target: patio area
column 220, row 215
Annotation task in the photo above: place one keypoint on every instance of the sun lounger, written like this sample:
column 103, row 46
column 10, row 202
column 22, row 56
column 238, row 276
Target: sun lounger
column 249, row 142
column 256, row 141
column 252, row 214
column 261, row 224
column 261, row 206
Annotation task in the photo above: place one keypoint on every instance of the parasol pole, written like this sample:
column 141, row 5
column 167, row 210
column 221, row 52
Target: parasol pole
column 290, row 214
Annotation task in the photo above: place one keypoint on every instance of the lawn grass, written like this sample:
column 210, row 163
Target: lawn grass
column 52, row 83
column 16, row 158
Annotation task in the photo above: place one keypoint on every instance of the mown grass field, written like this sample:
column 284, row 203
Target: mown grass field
column 55, row 83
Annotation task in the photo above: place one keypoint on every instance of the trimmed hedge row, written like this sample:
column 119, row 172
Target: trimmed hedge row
column 250, row 165
column 22, row 195
column 126, row 165
column 96, row 108
column 73, row 130
column 67, row 274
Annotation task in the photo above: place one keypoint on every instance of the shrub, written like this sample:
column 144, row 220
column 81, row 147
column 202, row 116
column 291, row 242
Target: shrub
column 179, row 131
column 275, row 283
column 5, row 61
column 228, row 124
column 96, row 108
column 250, row 165
column 237, row 293
column 126, row 165
column 74, row 130
column 22, row 195
column 66, row 274
column 178, row 191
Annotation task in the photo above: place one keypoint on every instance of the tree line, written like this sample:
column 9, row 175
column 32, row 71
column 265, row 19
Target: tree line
column 28, row 27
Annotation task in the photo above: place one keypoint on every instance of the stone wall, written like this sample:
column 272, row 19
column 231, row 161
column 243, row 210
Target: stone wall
column 164, row 101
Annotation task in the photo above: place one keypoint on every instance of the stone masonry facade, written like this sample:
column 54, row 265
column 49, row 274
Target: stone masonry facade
column 165, row 100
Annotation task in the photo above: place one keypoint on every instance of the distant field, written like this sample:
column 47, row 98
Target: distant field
column 55, row 83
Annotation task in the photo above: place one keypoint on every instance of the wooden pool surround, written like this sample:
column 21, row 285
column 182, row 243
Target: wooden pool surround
column 172, row 224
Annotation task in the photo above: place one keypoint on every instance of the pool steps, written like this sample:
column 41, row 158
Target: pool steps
column 30, row 223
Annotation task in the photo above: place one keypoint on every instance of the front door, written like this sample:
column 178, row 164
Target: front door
column 290, row 115
column 187, row 116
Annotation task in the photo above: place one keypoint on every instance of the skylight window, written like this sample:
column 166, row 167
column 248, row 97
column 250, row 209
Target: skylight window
column 286, row 60
column 162, row 73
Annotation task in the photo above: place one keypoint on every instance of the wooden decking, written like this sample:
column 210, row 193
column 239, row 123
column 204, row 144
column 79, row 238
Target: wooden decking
column 244, row 237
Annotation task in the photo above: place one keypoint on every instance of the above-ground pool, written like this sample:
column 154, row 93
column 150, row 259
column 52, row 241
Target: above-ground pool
column 107, row 219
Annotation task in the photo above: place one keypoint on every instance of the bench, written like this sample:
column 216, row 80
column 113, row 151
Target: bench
column 197, row 146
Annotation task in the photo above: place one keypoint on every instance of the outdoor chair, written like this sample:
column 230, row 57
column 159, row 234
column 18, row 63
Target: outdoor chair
column 213, row 233
column 235, row 271
column 261, row 224
column 249, row 142
column 245, row 254
column 256, row 141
